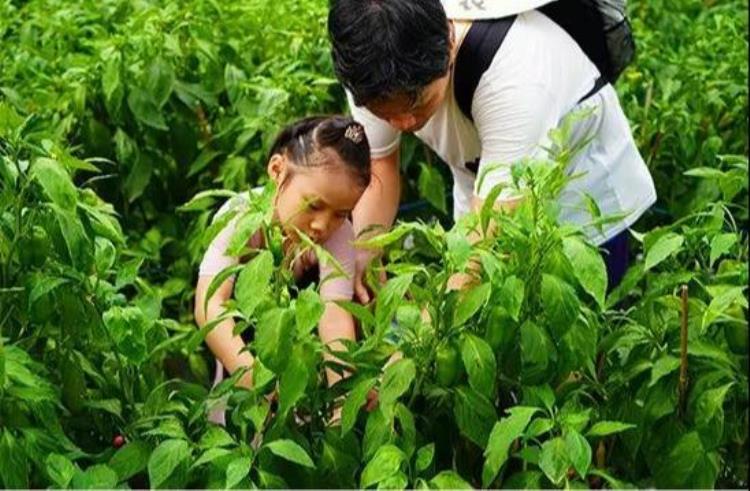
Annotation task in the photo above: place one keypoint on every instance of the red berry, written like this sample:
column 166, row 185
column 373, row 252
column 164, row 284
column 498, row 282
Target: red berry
column 118, row 441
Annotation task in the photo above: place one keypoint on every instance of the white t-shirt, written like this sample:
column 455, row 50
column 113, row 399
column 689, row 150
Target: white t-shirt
column 536, row 78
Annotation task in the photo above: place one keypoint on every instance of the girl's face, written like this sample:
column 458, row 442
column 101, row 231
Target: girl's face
column 315, row 200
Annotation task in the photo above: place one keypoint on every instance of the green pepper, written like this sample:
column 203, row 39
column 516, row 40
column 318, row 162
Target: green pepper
column 448, row 365
column 34, row 249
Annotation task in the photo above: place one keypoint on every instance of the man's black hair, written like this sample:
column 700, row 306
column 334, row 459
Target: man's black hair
column 383, row 48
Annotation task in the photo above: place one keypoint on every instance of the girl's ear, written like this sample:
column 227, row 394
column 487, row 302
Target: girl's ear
column 277, row 168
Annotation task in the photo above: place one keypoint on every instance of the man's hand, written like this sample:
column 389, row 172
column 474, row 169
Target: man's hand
column 377, row 206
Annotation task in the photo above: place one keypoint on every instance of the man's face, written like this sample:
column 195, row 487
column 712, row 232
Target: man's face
column 410, row 114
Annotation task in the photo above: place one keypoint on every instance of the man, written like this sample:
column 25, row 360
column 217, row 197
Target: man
column 396, row 59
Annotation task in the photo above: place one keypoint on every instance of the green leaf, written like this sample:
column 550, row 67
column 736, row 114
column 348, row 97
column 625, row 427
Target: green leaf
column 536, row 347
column 511, row 296
column 56, row 182
column 274, row 338
column 605, row 428
column 480, row 364
column 720, row 245
column 554, row 460
column 663, row 367
column 146, row 109
column 160, row 81
column 709, row 415
column 579, row 452
column 237, row 470
column 128, row 327
column 449, row 480
column 475, row 415
column 95, row 477
column 14, row 465
column 60, row 469
column 721, row 302
column 308, row 310
column 432, row 186
column 385, row 463
column 561, row 305
column 396, row 380
column 390, row 297
column 425, row 455
column 470, row 303
column 667, row 245
column 354, row 402
column 77, row 243
column 291, row 451
column 210, row 455
column 138, row 177
column 253, row 281
column 293, row 383
column 589, row 269
column 503, row 433
column 165, row 459
column 131, row 459
column 216, row 436
column 677, row 466
column 112, row 406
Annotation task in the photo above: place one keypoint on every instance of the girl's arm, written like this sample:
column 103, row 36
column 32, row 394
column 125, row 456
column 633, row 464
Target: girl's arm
column 226, row 346
column 335, row 324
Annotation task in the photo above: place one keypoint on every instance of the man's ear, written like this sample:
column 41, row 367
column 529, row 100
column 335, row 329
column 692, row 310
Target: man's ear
column 277, row 168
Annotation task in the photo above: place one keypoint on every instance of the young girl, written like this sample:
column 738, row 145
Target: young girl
column 321, row 167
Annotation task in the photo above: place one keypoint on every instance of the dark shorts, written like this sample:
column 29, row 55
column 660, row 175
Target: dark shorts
column 616, row 254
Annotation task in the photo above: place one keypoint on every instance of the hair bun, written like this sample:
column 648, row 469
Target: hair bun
column 355, row 133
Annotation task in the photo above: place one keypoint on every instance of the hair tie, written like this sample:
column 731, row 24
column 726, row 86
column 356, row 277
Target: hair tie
column 354, row 133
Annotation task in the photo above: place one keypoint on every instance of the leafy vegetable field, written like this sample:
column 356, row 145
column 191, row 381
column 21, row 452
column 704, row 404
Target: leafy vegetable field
column 118, row 118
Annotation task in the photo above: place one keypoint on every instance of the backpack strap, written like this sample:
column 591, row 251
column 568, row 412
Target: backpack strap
column 475, row 56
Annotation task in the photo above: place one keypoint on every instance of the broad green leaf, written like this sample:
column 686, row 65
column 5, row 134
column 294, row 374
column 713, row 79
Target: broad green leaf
column 390, row 297
column 77, row 244
column 721, row 302
column 398, row 480
column 128, row 327
column 709, row 415
column 449, row 480
column 667, row 245
column 237, row 470
column 385, row 463
column 14, row 465
column 605, row 428
column 139, row 176
column 248, row 224
column 663, row 367
column 354, row 402
column 378, row 432
column 56, row 182
column 396, row 381
column 470, row 303
column 274, row 338
column 293, row 383
column 130, row 459
column 503, row 433
column 475, row 415
column 160, row 81
column 216, row 436
column 511, row 296
column 60, row 469
column 308, row 310
column 425, row 455
column 560, row 304
column 720, row 245
column 146, row 109
column 432, row 187
column 579, row 452
column 554, row 460
column 589, row 267
column 536, row 347
column 291, row 451
column 677, row 465
column 97, row 476
column 210, row 455
column 165, row 459
column 480, row 364
column 252, row 282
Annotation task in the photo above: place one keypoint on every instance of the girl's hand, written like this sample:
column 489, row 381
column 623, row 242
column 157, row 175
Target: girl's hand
column 362, row 292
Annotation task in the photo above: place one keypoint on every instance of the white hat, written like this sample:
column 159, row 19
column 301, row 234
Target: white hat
column 488, row 9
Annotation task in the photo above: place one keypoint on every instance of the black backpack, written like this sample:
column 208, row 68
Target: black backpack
column 600, row 27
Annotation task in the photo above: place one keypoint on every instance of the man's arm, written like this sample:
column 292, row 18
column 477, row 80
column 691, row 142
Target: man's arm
column 377, row 206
